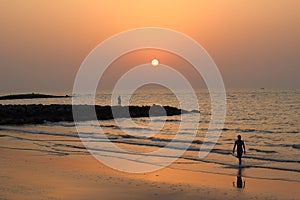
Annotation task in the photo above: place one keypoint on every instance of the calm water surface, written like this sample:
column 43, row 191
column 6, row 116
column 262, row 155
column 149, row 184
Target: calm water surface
column 268, row 120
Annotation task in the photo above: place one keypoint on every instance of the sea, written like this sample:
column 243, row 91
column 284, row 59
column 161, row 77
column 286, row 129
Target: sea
column 267, row 119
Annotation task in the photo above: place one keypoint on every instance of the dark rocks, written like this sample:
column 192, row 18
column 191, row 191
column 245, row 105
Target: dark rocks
column 195, row 111
column 31, row 96
column 38, row 113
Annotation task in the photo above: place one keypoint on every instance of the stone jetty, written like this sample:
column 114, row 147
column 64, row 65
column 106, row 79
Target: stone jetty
column 38, row 113
column 31, row 96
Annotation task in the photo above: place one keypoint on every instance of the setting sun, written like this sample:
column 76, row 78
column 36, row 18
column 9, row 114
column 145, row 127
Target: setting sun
column 154, row 62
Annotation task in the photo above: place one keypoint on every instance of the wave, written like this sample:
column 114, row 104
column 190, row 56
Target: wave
column 156, row 142
column 39, row 132
column 293, row 132
column 110, row 126
column 168, row 120
column 92, row 135
column 254, row 130
column 71, row 124
column 262, row 151
column 296, row 146
column 38, row 150
column 259, row 131
column 175, row 121
column 248, row 130
column 137, row 128
column 225, row 165
column 248, row 119
column 272, row 159
column 257, row 136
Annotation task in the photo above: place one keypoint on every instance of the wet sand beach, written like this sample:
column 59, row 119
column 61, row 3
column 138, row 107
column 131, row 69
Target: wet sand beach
column 30, row 174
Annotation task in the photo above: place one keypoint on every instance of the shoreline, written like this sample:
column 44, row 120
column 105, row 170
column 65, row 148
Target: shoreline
column 29, row 173
column 32, row 175
column 66, row 142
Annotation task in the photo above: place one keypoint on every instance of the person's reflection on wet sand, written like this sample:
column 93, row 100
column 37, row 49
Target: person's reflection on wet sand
column 239, row 180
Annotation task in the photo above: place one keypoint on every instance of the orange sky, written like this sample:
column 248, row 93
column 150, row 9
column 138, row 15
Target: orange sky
column 254, row 43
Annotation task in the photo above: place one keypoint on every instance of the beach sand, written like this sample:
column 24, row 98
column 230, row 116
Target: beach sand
column 28, row 174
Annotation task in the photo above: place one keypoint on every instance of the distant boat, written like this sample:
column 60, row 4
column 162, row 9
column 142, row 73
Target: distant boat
column 262, row 88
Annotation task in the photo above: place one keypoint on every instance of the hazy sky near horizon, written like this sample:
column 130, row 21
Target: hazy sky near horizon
column 254, row 43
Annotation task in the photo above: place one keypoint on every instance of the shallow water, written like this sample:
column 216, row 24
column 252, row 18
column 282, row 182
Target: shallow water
column 268, row 121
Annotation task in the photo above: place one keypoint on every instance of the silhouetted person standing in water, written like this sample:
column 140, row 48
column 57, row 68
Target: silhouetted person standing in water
column 240, row 148
column 119, row 101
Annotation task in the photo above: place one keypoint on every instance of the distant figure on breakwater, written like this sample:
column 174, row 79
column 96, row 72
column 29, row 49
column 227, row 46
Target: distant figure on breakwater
column 119, row 101
column 239, row 143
